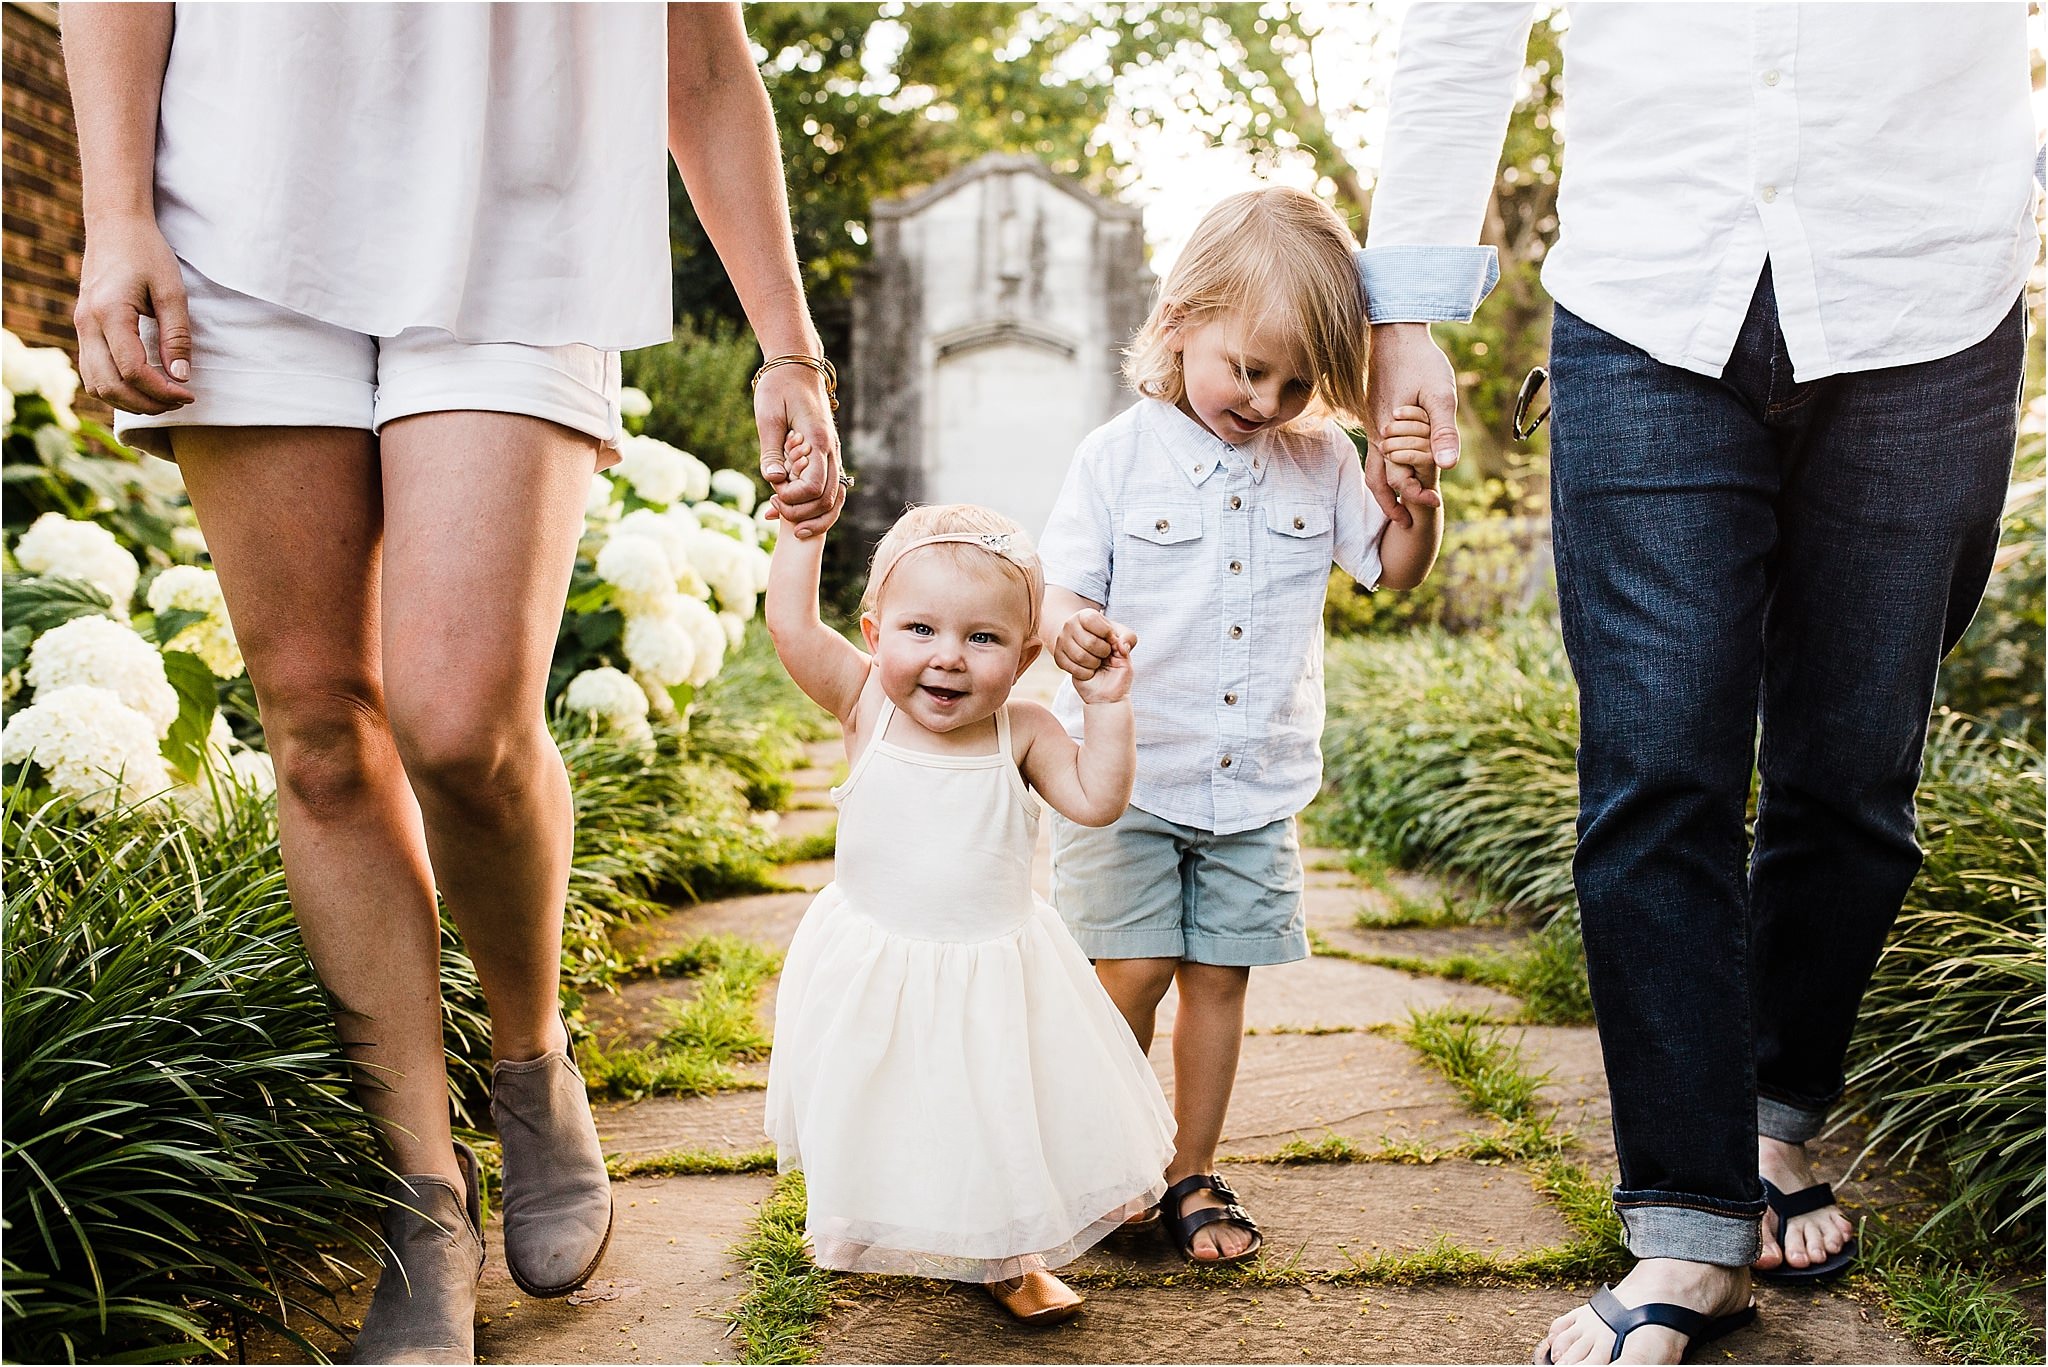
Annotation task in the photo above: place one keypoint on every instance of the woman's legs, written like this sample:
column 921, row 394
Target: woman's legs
column 482, row 515
column 293, row 518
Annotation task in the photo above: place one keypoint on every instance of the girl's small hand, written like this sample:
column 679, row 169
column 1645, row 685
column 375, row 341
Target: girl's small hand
column 1111, row 681
column 1405, row 447
column 1087, row 641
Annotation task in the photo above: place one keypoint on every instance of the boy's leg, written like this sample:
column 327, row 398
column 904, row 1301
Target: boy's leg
column 1243, row 908
column 1887, row 531
column 1208, row 1031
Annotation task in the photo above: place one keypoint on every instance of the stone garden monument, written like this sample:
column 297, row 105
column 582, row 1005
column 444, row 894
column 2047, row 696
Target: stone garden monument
column 988, row 330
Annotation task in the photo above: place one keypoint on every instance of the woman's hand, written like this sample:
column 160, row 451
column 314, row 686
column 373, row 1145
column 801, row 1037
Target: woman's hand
column 131, row 273
column 799, row 449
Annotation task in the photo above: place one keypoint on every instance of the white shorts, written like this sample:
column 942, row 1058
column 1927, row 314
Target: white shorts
column 258, row 364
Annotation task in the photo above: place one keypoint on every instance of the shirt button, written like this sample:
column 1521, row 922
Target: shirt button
column 1230, row 699
column 1160, row 525
column 1771, row 77
column 1770, row 193
column 1235, row 503
column 1299, row 524
column 1236, row 632
column 1237, row 567
column 1225, row 763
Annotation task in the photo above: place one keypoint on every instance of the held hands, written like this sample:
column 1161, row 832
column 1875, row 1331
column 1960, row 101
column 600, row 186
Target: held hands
column 793, row 415
column 131, row 273
column 1097, row 653
column 1406, row 371
column 1411, row 466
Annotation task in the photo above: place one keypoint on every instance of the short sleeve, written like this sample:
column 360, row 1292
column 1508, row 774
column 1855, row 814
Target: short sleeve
column 1359, row 521
column 1077, row 544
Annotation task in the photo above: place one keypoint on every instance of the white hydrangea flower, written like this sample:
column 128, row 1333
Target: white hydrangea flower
column 707, row 634
column 637, row 565
column 597, row 499
column 660, row 645
column 90, row 745
column 75, row 549
column 680, row 514
column 763, row 565
column 160, row 477
column 658, row 472
column 7, row 399
column 253, row 771
column 735, row 628
column 766, row 528
column 611, row 696
column 716, row 517
column 726, row 567
column 193, row 588
column 672, row 536
column 634, row 403
column 734, row 487
column 102, row 653
column 40, row 370
column 699, row 486
column 189, row 541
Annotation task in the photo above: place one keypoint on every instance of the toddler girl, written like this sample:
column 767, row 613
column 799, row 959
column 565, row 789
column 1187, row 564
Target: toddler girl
column 962, row 1097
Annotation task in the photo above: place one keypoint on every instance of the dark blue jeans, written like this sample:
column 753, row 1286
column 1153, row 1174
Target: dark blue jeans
column 1733, row 555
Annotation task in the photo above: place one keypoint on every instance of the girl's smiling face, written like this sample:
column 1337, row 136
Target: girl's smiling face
column 1241, row 378
column 950, row 636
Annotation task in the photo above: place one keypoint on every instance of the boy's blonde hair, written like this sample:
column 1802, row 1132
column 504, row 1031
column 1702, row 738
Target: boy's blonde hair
column 976, row 538
column 1257, row 251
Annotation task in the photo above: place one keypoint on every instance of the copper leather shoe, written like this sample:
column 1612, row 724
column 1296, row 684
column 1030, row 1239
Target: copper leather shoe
column 1036, row 1298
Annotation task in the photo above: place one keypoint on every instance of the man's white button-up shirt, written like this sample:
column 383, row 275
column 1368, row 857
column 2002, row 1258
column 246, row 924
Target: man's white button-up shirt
column 1881, row 156
column 1218, row 556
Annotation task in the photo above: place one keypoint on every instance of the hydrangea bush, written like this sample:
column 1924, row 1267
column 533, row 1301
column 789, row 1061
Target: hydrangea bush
column 670, row 570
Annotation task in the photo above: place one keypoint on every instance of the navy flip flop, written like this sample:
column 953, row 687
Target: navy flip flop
column 1697, row 1328
column 1788, row 1208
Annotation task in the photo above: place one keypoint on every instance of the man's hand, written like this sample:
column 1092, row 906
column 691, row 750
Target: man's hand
column 1407, row 370
column 790, row 402
column 1088, row 642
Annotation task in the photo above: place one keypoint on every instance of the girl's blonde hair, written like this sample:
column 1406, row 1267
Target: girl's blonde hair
column 1257, row 251
column 975, row 537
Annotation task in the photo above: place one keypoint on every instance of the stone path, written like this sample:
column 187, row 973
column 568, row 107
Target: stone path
column 1323, row 1058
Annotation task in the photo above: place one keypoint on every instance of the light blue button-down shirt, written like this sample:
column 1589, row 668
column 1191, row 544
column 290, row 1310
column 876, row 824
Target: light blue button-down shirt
column 1218, row 556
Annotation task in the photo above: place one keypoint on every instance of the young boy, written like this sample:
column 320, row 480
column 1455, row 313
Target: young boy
column 1203, row 521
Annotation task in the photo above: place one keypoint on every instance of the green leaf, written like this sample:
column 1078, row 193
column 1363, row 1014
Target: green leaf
column 682, row 695
column 42, row 601
column 595, row 598
column 166, row 625
column 185, row 746
column 14, row 648
column 53, row 443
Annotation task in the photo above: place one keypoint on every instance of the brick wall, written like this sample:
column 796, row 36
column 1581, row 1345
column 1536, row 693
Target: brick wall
column 42, row 233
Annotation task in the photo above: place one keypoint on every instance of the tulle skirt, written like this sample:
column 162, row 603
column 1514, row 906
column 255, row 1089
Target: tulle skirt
column 957, row 1106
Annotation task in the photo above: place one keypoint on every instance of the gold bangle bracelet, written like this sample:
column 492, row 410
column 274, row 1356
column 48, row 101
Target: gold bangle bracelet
column 817, row 363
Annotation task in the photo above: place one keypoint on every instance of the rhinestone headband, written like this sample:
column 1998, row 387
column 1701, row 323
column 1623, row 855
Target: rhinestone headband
column 1001, row 544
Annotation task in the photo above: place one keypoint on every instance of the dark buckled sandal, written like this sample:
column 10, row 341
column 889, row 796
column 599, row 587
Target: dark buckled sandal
column 1787, row 1207
column 1183, row 1227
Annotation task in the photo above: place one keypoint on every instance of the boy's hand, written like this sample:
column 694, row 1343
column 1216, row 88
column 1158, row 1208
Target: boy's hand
column 1406, row 443
column 1088, row 641
column 1111, row 681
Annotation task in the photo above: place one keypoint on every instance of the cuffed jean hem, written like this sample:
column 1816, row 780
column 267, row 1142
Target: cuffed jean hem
column 1662, row 1224
column 1790, row 1124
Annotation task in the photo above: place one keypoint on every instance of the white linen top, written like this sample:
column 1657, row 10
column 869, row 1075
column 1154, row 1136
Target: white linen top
column 498, row 171
column 1218, row 556
column 1880, row 155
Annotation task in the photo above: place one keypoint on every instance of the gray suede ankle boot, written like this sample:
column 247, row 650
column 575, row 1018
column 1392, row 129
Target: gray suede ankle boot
column 424, row 1309
column 557, row 1199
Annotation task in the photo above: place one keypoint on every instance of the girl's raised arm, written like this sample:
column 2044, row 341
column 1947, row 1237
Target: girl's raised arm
column 825, row 665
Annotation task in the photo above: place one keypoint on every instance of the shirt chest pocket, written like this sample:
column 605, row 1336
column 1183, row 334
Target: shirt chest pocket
column 1298, row 529
column 1161, row 530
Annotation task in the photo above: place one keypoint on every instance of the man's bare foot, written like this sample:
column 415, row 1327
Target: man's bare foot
column 1809, row 1239
column 1582, row 1336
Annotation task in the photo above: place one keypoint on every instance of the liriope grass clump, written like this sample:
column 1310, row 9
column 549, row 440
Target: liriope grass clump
column 182, row 1159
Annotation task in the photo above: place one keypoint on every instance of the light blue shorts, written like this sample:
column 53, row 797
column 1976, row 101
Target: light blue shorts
column 1148, row 888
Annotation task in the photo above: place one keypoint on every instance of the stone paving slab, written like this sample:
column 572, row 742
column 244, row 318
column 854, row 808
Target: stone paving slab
column 768, row 918
column 1362, row 1087
column 801, row 823
column 1327, row 991
column 1331, row 1217
column 1317, row 1322
column 729, row 1122
column 662, row 1294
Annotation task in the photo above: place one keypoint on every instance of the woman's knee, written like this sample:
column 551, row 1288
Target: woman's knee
column 475, row 758
column 328, row 739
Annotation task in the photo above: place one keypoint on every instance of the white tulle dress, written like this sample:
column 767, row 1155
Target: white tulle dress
column 955, row 1084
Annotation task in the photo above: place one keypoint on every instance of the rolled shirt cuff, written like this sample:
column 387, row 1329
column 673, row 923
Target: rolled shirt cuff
column 1417, row 284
